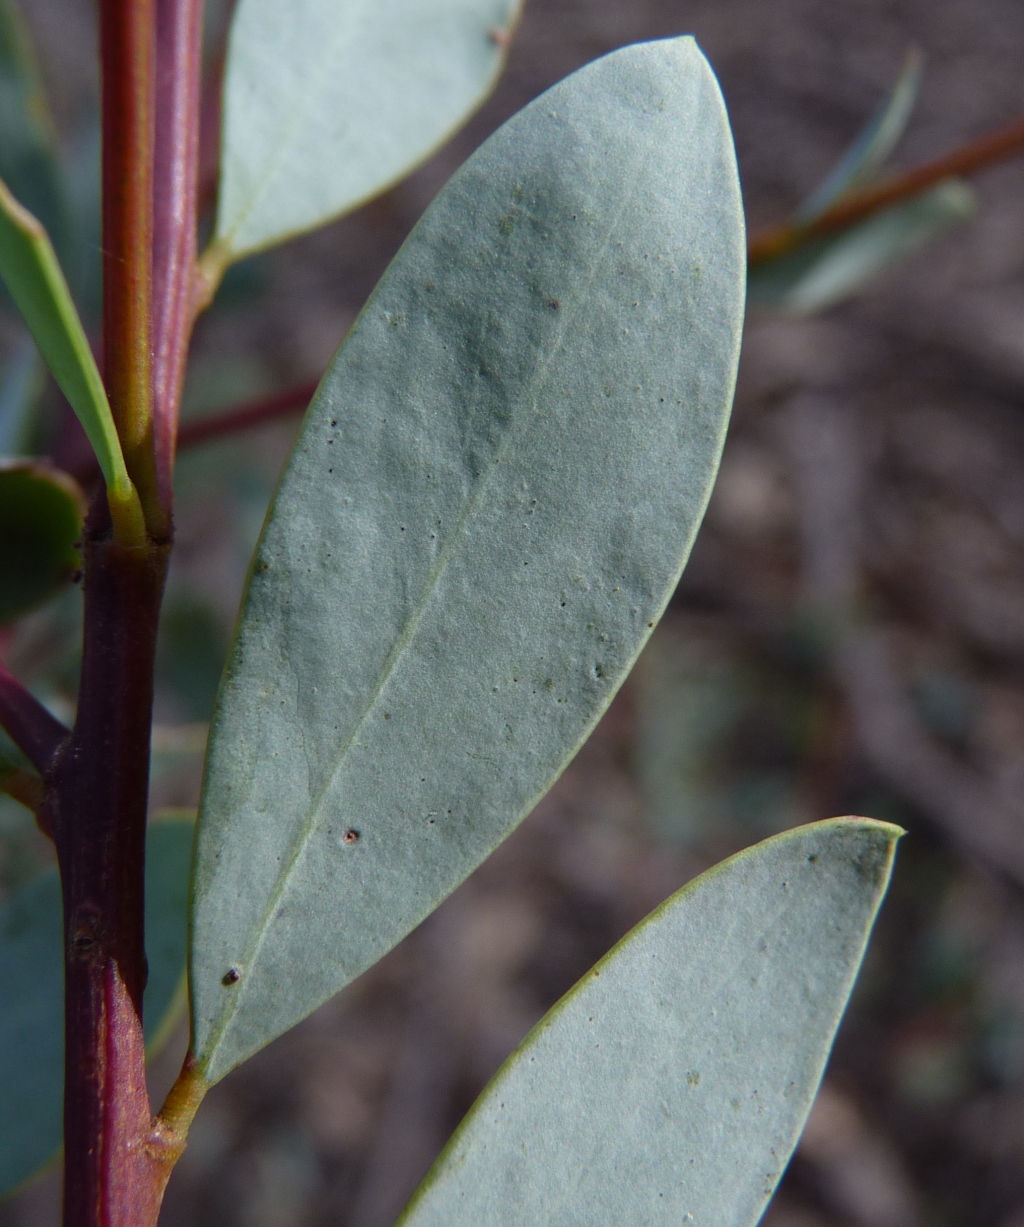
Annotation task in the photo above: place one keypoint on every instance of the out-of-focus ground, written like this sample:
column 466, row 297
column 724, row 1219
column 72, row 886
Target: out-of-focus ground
column 849, row 637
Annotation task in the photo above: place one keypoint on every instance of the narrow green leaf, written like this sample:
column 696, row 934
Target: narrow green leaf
column 874, row 144
column 41, row 514
column 672, row 1083
column 32, row 995
column 329, row 102
column 31, row 272
column 490, row 504
column 827, row 271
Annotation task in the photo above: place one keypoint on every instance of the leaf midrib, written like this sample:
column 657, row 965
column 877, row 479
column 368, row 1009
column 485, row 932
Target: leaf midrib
column 537, row 382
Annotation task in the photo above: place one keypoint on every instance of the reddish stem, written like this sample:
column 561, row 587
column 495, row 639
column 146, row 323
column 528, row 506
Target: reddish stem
column 27, row 722
column 245, row 417
column 997, row 146
column 97, row 784
column 178, row 84
column 128, row 54
column 96, row 807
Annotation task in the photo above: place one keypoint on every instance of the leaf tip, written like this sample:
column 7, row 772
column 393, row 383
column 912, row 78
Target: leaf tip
column 19, row 216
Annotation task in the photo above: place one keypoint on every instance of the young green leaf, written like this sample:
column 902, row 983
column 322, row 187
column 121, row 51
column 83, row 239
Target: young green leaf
column 329, row 102
column 32, row 996
column 829, row 270
column 41, row 513
column 490, row 504
column 671, row 1084
column 30, row 270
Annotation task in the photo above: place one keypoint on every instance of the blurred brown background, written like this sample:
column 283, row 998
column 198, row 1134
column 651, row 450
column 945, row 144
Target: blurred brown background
column 849, row 637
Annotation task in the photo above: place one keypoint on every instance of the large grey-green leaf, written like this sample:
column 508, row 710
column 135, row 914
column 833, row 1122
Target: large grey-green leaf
column 32, row 995
column 328, row 102
column 671, row 1084
column 491, row 501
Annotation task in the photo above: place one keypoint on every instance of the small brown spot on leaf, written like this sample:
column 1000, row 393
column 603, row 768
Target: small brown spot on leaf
column 231, row 976
column 350, row 837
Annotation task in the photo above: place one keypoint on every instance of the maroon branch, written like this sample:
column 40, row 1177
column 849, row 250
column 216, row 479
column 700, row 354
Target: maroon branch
column 775, row 241
column 36, row 733
column 255, row 413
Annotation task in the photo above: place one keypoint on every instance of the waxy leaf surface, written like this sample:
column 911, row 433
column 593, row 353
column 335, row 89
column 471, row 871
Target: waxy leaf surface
column 32, row 995
column 490, row 504
column 671, row 1084
column 328, row 102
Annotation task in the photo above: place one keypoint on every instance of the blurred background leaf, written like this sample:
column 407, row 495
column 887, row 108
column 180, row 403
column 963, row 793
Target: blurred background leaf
column 826, row 271
column 41, row 513
column 32, row 1000
column 869, row 152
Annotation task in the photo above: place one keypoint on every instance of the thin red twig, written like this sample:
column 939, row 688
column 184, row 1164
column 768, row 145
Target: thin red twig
column 997, row 146
column 36, row 733
column 179, row 41
column 245, row 417
column 128, row 51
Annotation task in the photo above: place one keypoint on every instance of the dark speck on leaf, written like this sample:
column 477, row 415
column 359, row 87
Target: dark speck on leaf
column 231, row 976
column 350, row 837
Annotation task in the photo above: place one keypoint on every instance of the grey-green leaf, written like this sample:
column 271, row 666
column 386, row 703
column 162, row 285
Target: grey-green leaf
column 489, row 506
column 829, row 270
column 328, row 102
column 672, row 1083
column 32, row 995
